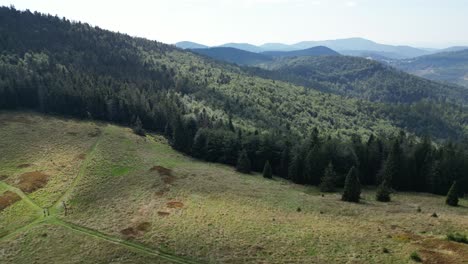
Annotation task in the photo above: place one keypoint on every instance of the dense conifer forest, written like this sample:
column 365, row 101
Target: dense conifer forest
column 414, row 138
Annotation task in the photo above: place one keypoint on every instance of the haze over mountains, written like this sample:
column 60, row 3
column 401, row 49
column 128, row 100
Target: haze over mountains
column 350, row 46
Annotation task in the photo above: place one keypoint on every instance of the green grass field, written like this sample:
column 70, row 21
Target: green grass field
column 131, row 199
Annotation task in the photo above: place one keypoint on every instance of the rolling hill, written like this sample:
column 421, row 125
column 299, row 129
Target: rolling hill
column 446, row 66
column 314, row 51
column 351, row 46
column 122, row 149
column 134, row 199
column 234, row 55
column 362, row 78
column 190, row 45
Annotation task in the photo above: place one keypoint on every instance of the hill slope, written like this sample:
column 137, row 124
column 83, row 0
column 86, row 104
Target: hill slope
column 233, row 55
column 446, row 66
column 137, row 200
column 363, row 78
column 84, row 71
column 190, row 45
column 314, row 51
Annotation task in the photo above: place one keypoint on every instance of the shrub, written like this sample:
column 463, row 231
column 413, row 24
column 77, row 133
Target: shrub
column 415, row 257
column 457, row 237
column 383, row 193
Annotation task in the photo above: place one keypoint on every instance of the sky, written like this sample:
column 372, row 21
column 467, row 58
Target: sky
column 421, row 23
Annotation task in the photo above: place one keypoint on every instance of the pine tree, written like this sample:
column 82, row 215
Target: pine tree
column 388, row 173
column 267, row 171
column 138, row 127
column 452, row 196
column 383, row 192
column 328, row 179
column 284, row 162
column 352, row 188
column 243, row 162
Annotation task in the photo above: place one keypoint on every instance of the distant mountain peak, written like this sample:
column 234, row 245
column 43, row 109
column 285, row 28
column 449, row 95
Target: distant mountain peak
column 190, row 45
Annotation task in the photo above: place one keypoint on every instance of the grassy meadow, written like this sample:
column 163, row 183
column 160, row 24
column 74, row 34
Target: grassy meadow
column 132, row 199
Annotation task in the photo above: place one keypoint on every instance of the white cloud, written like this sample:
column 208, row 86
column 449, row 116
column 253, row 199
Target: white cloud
column 351, row 4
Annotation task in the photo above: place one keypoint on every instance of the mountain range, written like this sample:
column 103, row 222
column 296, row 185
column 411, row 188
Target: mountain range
column 349, row 46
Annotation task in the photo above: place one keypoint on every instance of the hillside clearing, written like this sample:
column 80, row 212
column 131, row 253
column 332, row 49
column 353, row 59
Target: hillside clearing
column 138, row 191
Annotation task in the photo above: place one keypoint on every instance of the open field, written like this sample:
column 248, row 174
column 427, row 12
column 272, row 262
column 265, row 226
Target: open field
column 135, row 200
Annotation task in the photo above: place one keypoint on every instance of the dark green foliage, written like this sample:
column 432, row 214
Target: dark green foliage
column 383, row 192
column 445, row 66
column 452, row 195
column 138, row 127
column 243, row 163
column 267, row 173
column 234, row 55
column 360, row 78
column 352, row 188
column 327, row 183
column 457, row 237
column 415, row 257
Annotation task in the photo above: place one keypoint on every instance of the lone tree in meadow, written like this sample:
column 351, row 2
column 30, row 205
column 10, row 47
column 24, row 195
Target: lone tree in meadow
column 267, row 171
column 327, row 183
column 352, row 188
column 243, row 162
column 138, row 127
column 383, row 192
column 388, row 173
column 452, row 195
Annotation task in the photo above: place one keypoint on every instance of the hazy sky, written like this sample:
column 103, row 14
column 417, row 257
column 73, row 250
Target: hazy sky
column 429, row 23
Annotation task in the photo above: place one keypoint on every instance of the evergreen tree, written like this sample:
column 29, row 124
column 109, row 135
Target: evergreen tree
column 328, row 179
column 392, row 168
column 267, row 171
column 284, row 162
column 383, row 192
column 243, row 162
column 138, row 127
column 352, row 188
column 452, row 195
column 435, row 179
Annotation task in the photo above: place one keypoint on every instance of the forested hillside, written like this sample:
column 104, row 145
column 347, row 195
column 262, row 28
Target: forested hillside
column 218, row 112
column 233, row 55
column 445, row 66
column 362, row 78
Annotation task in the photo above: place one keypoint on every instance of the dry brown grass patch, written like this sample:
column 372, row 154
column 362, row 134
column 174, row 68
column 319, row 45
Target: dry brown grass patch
column 32, row 181
column 136, row 230
column 22, row 166
column 8, row 198
column 143, row 226
column 95, row 133
column 175, row 204
column 3, row 177
column 442, row 251
column 160, row 213
column 161, row 170
column 16, row 119
column 129, row 232
column 82, row 156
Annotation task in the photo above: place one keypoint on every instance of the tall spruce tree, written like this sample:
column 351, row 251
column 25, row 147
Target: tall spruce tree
column 352, row 188
column 452, row 195
column 267, row 173
column 138, row 127
column 243, row 162
column 328, row 180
